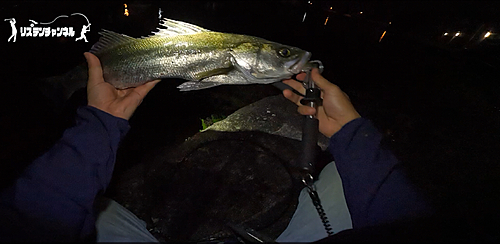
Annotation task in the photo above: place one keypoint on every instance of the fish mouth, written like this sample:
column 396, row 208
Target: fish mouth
column 297, row 66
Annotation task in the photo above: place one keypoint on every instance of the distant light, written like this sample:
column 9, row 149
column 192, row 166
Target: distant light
column 445, row 34
column 331, row 8
column 487, row 34
column 383, row 34
column 304, row 18
column 126, row 10
column 390, row 22
column 360, row 12
column 326, row 20
column 309, row 2
column 457, row 34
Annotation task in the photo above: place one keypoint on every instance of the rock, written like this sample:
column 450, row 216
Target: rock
column 274, row 115
column 240, row 170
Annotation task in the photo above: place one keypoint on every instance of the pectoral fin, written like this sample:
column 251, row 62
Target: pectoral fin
column 213, row 72
column 197, row 85
column 232, row 77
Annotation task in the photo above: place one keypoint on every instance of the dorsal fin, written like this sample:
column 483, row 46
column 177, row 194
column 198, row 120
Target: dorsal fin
column 175, row 27
column 109, row 39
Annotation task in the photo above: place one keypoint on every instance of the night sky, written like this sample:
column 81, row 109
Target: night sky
column 274, row 20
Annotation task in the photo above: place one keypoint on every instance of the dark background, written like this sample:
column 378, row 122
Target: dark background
column 433, row 97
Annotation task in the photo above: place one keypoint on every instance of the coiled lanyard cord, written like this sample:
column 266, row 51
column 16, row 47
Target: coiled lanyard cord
column 311, row 189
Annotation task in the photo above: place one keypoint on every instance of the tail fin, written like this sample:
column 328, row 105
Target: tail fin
column 60, row 88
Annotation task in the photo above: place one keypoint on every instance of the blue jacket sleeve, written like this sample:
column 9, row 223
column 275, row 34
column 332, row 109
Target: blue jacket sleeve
column 375, row 187
column 55, row 194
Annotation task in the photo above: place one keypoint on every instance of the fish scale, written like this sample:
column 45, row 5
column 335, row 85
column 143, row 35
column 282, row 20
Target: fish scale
column 202, row 57
column 186, row 51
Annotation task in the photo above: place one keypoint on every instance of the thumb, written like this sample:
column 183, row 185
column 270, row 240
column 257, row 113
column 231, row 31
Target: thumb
column 95, row 69
column 143, row 90
column 320, row 80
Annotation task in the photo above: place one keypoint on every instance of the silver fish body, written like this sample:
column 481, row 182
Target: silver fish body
column 204, row 58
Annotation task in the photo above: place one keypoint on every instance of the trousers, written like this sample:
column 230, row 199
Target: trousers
column 117, row 224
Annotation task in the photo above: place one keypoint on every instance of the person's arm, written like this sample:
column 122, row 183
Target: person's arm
column 53, row 198
column 375, row 187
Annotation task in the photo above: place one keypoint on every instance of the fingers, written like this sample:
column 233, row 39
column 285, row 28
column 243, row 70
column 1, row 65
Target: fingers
column 320, row 80
column 141, row 91
column 291, row 95
column 301, row 76
column 325, row 85
column 131, row 98
column 95, row 69
column 295, row 85
column 306, row 110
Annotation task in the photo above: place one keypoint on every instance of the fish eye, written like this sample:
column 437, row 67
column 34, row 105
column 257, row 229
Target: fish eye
column 284, row 52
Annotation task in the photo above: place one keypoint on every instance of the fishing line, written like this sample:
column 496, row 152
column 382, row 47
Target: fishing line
column 53, row 20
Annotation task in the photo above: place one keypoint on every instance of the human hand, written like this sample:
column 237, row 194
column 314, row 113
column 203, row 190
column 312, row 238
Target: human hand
column 336, row 111
column 104, row 96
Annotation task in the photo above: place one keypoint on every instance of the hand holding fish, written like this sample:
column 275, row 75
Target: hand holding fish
column 336, row 111
column 104, row 96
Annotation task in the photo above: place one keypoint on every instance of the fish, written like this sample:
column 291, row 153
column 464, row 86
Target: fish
column 202, row 57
